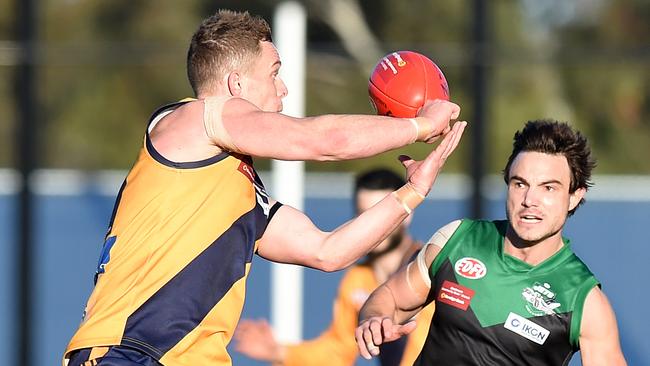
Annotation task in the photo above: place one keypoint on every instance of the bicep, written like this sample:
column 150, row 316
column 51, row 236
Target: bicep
column 417, row 277
column 291, row 237
column 599, row 342
column 410, row 286
column 252, row 131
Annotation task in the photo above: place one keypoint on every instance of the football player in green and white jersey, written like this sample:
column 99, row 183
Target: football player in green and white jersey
column 508, row 292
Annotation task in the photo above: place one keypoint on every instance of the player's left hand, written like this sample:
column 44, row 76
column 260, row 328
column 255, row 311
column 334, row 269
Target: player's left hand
column 422, row 174
column 374, row 331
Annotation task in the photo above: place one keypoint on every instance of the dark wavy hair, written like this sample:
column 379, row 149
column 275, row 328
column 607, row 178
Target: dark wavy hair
column 556, row 138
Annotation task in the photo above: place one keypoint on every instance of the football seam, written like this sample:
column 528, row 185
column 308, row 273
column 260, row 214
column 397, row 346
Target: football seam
column 392, row 99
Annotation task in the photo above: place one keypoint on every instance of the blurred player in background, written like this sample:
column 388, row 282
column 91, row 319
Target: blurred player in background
column 336, row 346
column 170, row 282
column 508, row 292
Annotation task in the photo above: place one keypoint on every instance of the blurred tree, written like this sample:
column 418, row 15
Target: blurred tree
column 106, row 65
column 339, row 80
column 605, row 68
column 8, row 54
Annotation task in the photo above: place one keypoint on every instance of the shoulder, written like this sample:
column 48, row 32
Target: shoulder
column 442, row 235
column 599, row 341
column 595, row 313
column 455, row 233
column 230, row 107
column 597, row 304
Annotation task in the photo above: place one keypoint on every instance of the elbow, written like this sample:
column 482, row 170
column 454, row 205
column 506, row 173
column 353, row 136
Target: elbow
column 335, row 267
column 329, row 265
column 329, row 262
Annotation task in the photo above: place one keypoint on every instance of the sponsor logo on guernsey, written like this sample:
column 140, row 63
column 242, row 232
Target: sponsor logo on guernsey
column 455, row 295
column 247, row 170
column 540, row 299
column 526, row 328
column 471, row 268
column 105, row 255
column 260, row 193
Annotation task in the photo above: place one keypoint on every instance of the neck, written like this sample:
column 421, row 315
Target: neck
column 218, row 91
column 532, row 252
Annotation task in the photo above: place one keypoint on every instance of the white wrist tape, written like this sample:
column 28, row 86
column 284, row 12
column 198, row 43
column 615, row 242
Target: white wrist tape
column 408, row 197
column 417, row 129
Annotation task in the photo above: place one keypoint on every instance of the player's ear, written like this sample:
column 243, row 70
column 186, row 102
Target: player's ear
column 576, row 197
column 234, row 83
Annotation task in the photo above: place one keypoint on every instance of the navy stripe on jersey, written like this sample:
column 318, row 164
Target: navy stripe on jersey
column 79, row 357
column 276, row 206
column 164, row 108
column 182, row 303
column 161, row 159
column 115, row 206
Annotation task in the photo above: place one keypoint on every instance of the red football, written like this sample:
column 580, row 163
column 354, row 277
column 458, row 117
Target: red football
column 402, row 81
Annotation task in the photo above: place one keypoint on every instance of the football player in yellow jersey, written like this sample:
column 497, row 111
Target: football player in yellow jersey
column 170, row 282
column 335, row 346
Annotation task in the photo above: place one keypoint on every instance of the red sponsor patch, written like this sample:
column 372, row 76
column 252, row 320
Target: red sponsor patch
column 455, row 295
column 247, row 170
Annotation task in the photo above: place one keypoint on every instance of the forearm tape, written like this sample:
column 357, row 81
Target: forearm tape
column 408, row 197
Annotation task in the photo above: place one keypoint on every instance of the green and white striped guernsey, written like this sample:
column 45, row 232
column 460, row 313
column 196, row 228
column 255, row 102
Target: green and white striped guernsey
column 494, row 309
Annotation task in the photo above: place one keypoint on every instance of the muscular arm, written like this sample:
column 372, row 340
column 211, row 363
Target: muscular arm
column 291, row 237
column 599, row 343
column 402, row 296
column 390, row 305
column 326, row 137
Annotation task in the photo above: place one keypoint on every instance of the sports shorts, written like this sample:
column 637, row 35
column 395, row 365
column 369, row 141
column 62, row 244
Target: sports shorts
column 111, row 356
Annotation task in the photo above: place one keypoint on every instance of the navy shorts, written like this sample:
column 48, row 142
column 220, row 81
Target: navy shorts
column 115, row 356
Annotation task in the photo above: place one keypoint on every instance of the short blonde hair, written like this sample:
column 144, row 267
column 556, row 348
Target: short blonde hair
column 226, row 41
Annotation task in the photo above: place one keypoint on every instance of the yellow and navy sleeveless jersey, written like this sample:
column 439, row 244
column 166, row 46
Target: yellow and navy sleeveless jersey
column 171, row 277
column 494, row 309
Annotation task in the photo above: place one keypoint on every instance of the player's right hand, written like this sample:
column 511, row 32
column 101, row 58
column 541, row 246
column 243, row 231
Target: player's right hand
column 434, row 119
column 374, row 331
